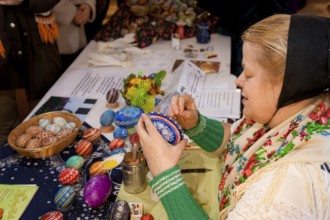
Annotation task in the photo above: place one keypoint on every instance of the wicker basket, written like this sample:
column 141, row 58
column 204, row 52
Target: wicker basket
column 49, row 150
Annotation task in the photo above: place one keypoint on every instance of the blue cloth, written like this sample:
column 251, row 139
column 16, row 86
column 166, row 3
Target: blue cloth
column 16, row 169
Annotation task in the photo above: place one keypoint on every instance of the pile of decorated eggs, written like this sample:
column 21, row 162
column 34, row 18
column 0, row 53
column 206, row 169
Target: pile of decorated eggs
column 47, row 132
column 170, row 130
column 97, row 190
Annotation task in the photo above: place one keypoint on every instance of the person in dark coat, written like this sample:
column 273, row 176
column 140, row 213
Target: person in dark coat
column 236, row 16
column 29, row 58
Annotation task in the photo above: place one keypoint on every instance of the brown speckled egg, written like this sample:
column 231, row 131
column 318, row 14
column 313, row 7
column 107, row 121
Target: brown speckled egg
column 96, row 169
column 64, row 132
column 22, row 140
column 92, row 134
column 33, row 143
column 52, row 215
column 68, row 176
column 84, row 148
column 45, row 134
column 33, row 130
column 49, row 140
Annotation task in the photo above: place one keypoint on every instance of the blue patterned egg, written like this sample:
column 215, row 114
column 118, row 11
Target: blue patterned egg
column 65, row 197
column 120, row 132
column 97, row 190
column 118, row 151
column 128, row 116
column 107, row 118
column 119, row 211
column 75, row 161
column 167, row 127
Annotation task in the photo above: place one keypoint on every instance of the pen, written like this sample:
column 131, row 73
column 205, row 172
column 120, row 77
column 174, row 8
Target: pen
column 195, row 170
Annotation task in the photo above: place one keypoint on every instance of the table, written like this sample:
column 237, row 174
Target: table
column 15, row 169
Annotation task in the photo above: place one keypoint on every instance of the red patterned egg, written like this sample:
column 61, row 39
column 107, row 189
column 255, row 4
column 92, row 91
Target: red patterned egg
column 45, row 134
column 134, row 139
column 33, row 130
column 96, row 168
column 68, row 176
column 49, row 140
column 22, row 140
column 116, row 143
column 33, row 143
column 53, row 215
column 84, row 148
column 92, row 134
column 64, row 132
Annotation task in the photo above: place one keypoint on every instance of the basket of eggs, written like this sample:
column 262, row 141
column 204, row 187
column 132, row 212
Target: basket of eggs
column 45, row 135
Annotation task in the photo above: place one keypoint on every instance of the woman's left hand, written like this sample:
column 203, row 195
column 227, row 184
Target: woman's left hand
column 159, row 154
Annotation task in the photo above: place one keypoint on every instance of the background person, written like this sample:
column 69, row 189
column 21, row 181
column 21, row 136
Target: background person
column 71, row 17
column 29, row 58
column 276, row 158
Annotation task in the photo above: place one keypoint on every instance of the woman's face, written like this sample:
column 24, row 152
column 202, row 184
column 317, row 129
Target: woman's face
column 259, row 94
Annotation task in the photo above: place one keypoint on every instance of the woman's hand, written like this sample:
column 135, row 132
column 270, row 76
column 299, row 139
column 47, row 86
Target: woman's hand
column 83, row 14
column 183, row 109
column 159, row 154
column 11, row 2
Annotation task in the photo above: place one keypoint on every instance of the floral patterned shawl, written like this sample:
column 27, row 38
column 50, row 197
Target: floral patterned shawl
column 253, row 147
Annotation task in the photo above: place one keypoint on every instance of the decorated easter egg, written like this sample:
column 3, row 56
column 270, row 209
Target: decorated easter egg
column 96, row 168
column 60, row 121
column 65, row 197
column 64, row 132
column 128, row 116
column 54, row 128
column 49, row 140
column 167, row 127
column 119, row 211
column 116, row 143
column 107, row 117
column 118, row 151
column 71, row 125
column 75, row 161
column 97, row 190
column 92, row 134
column 43, row 122
column 134, row 139
column 45, row 134
column 52, row 215
column 120, row 132
column 33, row 143
column 147, row 216
column 33, row 130
column 68, row 176
column 84, row 148
column 112, row 95
column 22, row 140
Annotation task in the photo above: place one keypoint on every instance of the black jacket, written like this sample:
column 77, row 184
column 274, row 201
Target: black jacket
column 30, row 63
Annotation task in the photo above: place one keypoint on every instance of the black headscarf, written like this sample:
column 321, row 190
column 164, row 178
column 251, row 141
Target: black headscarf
column 307, row 71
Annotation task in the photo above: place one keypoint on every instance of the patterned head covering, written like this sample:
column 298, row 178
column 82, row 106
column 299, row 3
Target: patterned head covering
column 307, row 72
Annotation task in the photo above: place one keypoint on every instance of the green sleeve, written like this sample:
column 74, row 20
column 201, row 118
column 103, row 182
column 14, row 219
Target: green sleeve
column 176, row 197
column 208, row 133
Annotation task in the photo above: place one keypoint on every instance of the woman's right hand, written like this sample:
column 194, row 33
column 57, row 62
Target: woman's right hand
column 184, row 110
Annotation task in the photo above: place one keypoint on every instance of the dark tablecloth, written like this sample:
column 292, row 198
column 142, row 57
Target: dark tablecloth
column 16, row 169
